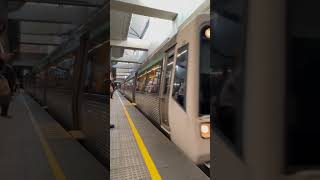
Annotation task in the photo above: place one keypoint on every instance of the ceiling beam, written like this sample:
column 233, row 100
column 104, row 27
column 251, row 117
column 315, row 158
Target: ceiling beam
column 42, row 34
column 69, row 3
column 40, row 44
column 123, row 73
column 130, row 43
column 135, row 7
column 40, row 13
column 42, row 21
column 123, row 67
column 133, row 62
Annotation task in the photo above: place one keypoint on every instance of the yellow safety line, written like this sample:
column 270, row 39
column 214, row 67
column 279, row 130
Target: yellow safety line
column 54, row 165
column 144, row 151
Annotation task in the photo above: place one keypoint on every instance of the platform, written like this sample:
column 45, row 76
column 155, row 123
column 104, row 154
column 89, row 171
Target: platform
column 152, row 156
column 35, row 147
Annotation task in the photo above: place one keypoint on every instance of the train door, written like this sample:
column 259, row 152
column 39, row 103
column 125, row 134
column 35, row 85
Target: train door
column 164, row 93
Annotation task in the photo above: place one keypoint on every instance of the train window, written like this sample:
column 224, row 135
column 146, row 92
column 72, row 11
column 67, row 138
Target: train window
column 153, row 79
column 61, row 74
column 180, row 77
column 141, row 83
column 130, row 85
column 205, row 72
column 227, row 48
column 95, row 82
column 302, row 89
column 66, row 67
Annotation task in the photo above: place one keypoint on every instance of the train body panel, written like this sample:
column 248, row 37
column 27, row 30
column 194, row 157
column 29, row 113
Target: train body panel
column 128, row 89
column 94, row 119
column 59, row 93
column 40, row 90
column 149, row 104
column 185, row 130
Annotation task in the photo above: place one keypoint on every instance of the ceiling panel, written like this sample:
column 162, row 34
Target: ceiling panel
column 52, row 13
column 45, row 28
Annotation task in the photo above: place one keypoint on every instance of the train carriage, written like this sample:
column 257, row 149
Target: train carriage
column 72, row 84
column 171, row 88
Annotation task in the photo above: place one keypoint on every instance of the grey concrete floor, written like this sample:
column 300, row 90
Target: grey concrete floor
column 170, row 161
column 23, row 155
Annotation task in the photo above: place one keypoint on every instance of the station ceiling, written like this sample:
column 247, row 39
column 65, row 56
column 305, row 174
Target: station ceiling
column 129, row 22
column 45, row 24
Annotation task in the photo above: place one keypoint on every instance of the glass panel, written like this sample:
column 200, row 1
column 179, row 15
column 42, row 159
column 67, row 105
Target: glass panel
column 153, row 79
column 168, row 75
column 61, row 75
column 227, row 50
column 302, row 92
column 141, row 80
column 96, row 71
column 180, row 78
column 205, row 72
column 128, row 85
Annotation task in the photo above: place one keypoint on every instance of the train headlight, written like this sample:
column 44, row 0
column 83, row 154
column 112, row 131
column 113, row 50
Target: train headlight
column 207, row 33
column 205, row 130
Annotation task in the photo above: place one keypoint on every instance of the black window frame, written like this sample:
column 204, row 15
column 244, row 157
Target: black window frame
column 297, row 129
column 180, row 50
column 207, row 40
column 237, row 16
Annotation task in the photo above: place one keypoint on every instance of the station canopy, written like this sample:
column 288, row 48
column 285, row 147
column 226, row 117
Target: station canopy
column 138, row 27
column 43, row 25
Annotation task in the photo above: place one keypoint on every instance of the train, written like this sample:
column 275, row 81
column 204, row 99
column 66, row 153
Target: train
column 265, row 92
column 170, row 88
column 71, row 84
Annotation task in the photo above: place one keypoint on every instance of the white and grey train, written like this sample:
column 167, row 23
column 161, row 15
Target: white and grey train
column 265, row 90
column 171, row 88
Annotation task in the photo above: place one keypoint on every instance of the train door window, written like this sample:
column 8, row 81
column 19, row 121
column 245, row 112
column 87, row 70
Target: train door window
column 205, row 72
column 227, row 62
column 180, row 77
column 88, row 75
column 302, row 89
column 168, row 73
column 96, row 71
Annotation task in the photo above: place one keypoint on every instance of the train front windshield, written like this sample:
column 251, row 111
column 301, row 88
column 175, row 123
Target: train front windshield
column 205, row 72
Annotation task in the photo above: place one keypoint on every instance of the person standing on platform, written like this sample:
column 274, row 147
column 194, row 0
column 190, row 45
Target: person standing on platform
column 111, row 94
column 112, row 86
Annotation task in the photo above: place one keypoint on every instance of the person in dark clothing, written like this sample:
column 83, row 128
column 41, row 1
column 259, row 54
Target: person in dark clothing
column 107, row 81
column 112, row 89
column 7, row 72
